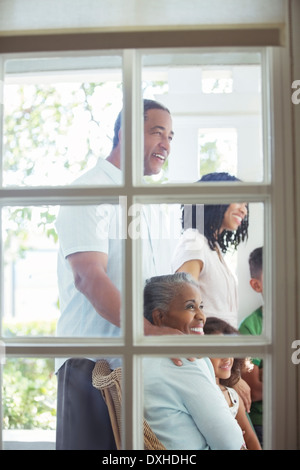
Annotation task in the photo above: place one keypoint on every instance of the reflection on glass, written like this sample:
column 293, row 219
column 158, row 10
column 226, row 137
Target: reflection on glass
column 215, row 103
column 218, row 151
column 58, row 117
column 217, row 80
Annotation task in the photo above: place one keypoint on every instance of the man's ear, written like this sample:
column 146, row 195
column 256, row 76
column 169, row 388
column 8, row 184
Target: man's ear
column 157, row 317
column 256, row 285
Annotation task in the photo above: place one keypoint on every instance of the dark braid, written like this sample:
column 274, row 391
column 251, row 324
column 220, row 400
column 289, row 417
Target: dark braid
column 213, row 218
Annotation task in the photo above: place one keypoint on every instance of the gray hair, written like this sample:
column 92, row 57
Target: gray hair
column 159, row 291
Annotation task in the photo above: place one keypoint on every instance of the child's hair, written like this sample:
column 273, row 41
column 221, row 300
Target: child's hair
column 213, row 218
column 214, row 326
column 255, row 263
column 159, row 291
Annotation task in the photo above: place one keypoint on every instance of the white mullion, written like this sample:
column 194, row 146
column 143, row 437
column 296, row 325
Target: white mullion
column 266, row 121
column 1, row 246
column 132, row 118
column 136, row 259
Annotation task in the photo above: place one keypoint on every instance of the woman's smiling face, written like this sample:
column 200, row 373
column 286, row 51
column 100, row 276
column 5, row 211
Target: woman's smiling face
column 185, row 311
column 234, row 216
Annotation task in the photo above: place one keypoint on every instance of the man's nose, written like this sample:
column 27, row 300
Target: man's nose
column 165, row 144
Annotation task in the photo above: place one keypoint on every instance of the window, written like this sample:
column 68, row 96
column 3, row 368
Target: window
column 31, row 193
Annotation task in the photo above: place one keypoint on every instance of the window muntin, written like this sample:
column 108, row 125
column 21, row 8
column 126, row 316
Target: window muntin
column 32, row 253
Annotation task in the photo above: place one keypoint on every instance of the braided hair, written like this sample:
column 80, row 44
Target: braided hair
column 213, row 218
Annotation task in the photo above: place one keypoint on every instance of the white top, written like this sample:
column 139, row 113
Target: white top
column 186, row 408
column 234, row 398
column 217, row 282
column 88, row 228
column 98, row 228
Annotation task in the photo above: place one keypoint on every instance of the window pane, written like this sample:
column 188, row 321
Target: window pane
column 216, row 106
column 224, row 272
column 39, row 288
column 29, row 404
column 189, row 399
column 31, row 303
column 90, row 269
column 59, row 117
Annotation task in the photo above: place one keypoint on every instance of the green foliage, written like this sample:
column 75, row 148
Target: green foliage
column 29, row 384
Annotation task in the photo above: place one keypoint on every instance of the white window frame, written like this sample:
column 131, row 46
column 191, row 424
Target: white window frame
column 277, row 194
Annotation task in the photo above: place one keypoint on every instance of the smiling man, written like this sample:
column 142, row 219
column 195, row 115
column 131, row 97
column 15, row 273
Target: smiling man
column 90, row 278
column 158, row 136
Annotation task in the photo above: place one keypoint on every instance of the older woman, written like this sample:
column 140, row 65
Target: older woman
column 183, row 405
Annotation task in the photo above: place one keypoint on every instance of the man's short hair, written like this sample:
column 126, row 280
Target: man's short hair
column 148, row 104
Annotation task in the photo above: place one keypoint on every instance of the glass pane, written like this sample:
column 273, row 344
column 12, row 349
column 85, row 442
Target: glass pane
column 30, row 295
column 183, row 239
column 32, row 396
column 215, row 102
column 39, row 246
column 29, row 404
column 189, row 412
column 59, row 116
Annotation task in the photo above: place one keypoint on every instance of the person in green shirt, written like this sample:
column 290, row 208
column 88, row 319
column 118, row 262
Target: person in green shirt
column 252, row 325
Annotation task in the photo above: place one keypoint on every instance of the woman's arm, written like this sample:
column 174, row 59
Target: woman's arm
column 254, row 381
column 194, row 267
column 205, row 403
column 91, row 279
column 251, row 440
column 244, row 391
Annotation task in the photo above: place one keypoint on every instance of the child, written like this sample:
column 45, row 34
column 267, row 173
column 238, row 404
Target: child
column 228, row 372
column 253, row 325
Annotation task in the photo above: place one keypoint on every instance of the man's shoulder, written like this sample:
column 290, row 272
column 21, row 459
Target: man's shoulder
column 102, row 173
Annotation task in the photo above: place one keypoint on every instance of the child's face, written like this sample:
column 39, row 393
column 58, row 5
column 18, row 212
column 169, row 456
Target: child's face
column 185, row 311
column 222, row 367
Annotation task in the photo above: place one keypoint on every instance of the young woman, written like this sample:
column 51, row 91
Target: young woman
column 183, row 405
column 201, row 248
column 228, row 371
column 206, row 238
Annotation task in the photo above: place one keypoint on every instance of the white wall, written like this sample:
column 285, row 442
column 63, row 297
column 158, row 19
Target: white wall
column 193, row 110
